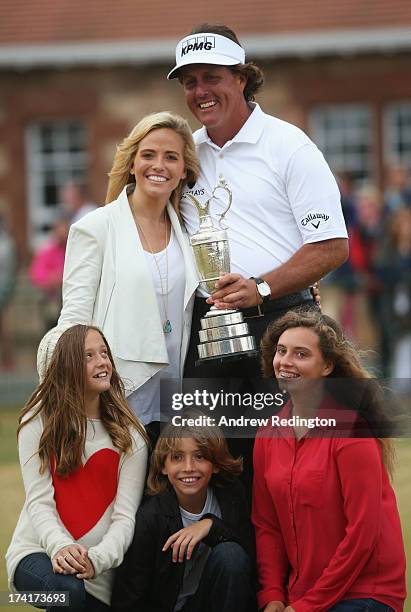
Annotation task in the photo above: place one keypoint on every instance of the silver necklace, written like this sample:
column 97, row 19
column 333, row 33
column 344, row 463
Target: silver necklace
column 167, row 327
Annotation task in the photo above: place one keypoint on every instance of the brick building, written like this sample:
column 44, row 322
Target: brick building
column 75, row 76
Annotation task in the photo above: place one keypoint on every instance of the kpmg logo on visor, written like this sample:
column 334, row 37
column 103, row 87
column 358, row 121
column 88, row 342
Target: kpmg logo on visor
column 198, row 43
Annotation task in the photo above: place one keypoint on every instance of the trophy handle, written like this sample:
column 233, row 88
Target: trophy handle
column 203, row 210
column 222, row 184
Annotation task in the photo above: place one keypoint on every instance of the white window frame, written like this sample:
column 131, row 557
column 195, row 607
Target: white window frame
column 394, row 132
column 61, row 161
column 357, row 164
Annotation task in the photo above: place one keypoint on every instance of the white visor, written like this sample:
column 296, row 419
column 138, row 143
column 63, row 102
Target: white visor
column 207, row 48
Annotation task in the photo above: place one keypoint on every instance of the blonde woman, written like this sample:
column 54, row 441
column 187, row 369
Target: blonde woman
column 129, row 268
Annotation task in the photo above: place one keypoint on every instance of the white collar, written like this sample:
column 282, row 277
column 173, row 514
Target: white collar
column 250, row 132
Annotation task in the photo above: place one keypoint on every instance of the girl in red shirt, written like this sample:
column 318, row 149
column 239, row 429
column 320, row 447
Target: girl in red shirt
column 327, row 525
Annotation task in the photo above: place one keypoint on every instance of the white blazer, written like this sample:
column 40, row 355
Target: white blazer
column 107, row 283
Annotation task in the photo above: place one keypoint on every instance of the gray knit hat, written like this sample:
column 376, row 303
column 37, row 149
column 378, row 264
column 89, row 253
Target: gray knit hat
column 47, row 346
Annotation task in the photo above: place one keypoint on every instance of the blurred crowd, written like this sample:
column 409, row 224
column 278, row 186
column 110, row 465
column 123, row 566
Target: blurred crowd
column 46, row 269
column 8, row 273
column 45, row 272
column 370, row 294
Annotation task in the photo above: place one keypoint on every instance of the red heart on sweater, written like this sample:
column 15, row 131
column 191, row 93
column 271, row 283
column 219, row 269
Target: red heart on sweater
column 83, row 497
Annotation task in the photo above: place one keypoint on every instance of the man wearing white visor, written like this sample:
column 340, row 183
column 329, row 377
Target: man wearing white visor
column 286, row 228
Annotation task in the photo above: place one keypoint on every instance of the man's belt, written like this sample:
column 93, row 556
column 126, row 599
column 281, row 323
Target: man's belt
column 282, row 303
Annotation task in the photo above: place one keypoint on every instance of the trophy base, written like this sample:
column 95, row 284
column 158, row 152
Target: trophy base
column 225, row 336
column 227, row 358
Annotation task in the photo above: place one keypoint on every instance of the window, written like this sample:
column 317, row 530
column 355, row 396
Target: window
column 56, row 153
column 343, row 134
column 397, row 133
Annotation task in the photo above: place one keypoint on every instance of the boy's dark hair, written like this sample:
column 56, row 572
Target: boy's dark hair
column 211, row 442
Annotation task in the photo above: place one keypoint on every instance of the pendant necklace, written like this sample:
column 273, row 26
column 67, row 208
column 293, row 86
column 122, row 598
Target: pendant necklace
column 167, row 327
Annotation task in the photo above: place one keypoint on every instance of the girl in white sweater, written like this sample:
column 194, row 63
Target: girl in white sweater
column 83, row 458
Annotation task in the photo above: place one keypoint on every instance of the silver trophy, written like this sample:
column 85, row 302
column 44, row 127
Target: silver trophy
column 224, row 333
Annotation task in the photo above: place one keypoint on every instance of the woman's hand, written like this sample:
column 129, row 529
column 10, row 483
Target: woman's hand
column 183, row 541
column 70, row 559
column 289, row 609
column 275, row 606
column 316, row 293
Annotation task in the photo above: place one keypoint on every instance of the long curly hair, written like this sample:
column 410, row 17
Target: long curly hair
column 120, row 173
column 211, row 442
column 59, row 401
column 336, row 349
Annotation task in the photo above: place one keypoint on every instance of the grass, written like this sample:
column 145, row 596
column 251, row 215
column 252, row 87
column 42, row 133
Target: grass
column 13, row 494
column 402, row 486
column 8, row 437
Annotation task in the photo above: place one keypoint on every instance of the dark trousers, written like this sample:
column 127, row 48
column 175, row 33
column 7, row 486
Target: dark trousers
column 232, row 368
column 225, row 584
column 35, row 573
column 153, row 432
column 360, row 605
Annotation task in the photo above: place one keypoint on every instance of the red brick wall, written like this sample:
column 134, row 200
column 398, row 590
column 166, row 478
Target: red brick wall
column 103, row 20
column 111, row 101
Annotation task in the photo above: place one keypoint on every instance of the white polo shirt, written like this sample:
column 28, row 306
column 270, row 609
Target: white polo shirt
column 284, row 194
